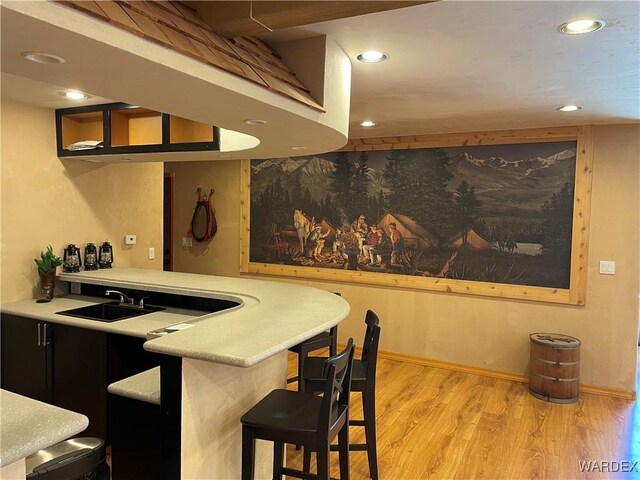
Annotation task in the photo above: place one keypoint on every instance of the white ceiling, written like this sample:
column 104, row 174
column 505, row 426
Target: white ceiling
column 43, row 94
column 466, row 66
column 470, row 66
column 105, row 61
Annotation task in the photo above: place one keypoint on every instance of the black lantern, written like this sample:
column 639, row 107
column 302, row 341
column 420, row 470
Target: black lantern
column 105, row 259
column 90, row 257
column 72, row 261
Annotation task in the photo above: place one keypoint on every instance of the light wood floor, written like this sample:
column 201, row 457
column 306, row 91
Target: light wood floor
column 440, row 424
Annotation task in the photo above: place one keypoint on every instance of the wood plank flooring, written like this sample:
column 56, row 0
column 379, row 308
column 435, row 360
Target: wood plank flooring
column 439, row 424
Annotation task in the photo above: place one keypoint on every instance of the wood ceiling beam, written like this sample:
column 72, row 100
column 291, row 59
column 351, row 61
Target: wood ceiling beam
column 232, row 18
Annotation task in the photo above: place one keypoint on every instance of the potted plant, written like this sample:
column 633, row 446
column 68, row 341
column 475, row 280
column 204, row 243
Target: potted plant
column 47, row 264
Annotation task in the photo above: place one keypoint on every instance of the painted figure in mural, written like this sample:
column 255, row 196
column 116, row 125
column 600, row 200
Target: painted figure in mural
column 337, row 244
column 317, row 241
column 360, row 228
column 347, row 246
column 397, row 243
column 383, row 247
column 303, row 227
column 372, row 243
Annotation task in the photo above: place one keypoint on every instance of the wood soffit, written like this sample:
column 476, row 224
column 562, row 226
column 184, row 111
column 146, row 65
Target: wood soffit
column 233, row 18
column 176, row 25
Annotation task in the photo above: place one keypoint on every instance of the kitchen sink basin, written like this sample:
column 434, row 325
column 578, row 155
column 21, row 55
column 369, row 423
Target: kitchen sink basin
column 109, row 312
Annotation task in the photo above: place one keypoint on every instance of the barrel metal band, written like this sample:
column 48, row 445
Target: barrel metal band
column 556, row 379
column 551, row 362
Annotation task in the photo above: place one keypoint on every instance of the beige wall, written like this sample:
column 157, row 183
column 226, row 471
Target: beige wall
column 482, row 332
column 45, row 200
column 221, row 254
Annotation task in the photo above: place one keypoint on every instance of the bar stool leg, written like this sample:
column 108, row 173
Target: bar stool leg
column 301, row 357
column 306, row 460
column 333, row 348
column 322, row 461
column 343, row 448
column 369, row 410
column 278, row 459
column 248, row 454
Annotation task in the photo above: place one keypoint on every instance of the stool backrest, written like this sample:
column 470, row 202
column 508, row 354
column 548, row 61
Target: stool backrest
column 370, row 344
column 337, row 375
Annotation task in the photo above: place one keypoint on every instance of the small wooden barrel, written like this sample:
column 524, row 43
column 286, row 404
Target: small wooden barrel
column 554, row 368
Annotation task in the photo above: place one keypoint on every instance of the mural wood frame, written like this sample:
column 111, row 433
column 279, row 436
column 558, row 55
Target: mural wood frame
column 574, row 295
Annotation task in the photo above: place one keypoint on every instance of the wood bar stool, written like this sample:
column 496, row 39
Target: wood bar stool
column 286, row 416
column 322, row 340
column 363, row 379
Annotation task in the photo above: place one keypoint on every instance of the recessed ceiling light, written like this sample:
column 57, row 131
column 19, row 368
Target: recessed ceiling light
column 255, row 121
column 74, row 95
column 581, row 26
column 372, row 56
column 39, row 57
column 367, row 123
column 569, row 108
column 92, row 160
column 298, row 148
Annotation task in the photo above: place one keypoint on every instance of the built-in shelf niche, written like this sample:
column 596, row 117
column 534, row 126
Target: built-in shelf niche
column 126, row 129
column 77, row 127
column 182, row 130
column 136, row 126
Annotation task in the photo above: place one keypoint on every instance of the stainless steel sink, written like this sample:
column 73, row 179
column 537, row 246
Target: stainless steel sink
column 109, row 312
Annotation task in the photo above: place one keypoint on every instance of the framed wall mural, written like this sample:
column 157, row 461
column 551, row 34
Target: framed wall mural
column 502, row 214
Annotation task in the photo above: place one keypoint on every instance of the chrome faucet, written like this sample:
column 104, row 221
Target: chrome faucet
column 123, row 297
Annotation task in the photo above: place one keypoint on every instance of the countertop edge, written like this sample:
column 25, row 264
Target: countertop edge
column 273, row 316
column 67, row 424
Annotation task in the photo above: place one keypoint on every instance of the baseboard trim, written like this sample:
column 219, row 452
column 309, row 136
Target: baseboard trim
column 608, row 392
column 486, row 372
column 457, row 367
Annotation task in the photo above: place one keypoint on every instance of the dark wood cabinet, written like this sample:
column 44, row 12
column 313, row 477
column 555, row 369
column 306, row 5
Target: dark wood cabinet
column 69, row 367
column 80, row 375
column 26, row 357
column 57, row 364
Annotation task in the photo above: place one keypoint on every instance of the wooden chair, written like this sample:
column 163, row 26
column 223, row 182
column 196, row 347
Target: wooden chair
column 286, row 416
column 322, row 340
column 363, row 379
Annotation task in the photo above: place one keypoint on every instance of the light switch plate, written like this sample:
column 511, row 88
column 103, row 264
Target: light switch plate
column 187, row 242
column 607, row 267
column 130, row 239
column 152, row 253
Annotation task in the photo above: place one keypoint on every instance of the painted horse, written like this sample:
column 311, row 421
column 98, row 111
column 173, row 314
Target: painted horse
column 303, row 227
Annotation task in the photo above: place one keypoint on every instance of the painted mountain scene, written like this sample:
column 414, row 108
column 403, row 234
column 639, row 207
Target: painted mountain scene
column 494, row 213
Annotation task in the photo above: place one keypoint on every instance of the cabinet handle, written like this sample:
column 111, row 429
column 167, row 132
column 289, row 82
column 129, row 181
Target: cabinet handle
column 39, row 344
column 45, row 341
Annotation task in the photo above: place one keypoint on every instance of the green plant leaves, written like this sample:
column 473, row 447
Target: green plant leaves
column 48, row 260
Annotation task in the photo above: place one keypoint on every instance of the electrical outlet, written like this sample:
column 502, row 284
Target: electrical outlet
column 187, row 242
column 152, row 253
column 76, row 288
column 607, row 267
column 130, row 239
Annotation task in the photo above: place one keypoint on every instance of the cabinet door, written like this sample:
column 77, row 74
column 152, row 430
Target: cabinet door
column 25, row 358
column 80, row 375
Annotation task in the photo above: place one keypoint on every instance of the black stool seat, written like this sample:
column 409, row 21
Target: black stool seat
column 313, row 369
column 363, row 379
column 323, row 339
column 291, row 412
column 285, row 416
